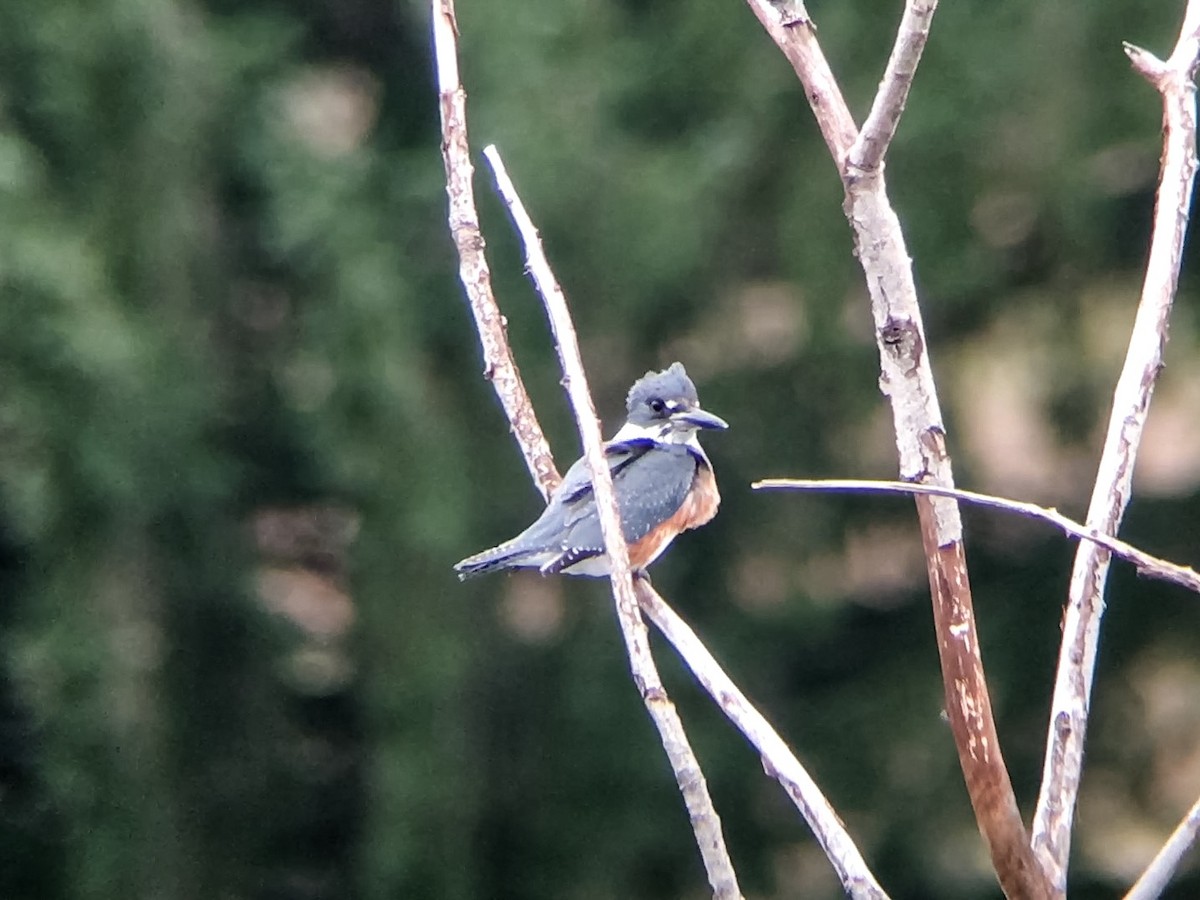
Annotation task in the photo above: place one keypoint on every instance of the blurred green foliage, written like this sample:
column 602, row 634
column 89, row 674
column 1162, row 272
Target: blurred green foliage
column 243, row 437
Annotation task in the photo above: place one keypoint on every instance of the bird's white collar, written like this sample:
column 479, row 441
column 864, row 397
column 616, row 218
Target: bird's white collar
column 660, row 434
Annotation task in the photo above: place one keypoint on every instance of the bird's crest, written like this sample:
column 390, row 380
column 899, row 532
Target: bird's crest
column 672, row 382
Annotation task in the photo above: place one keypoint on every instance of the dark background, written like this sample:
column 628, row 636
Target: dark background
column 244, row 436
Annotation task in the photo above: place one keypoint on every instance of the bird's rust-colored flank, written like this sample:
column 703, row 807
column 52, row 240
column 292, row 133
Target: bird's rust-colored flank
column 698, row 509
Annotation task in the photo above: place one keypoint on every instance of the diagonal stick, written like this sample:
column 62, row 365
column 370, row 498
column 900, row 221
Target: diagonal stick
column 705, row 822
column 1154, row 880
column 777, row 758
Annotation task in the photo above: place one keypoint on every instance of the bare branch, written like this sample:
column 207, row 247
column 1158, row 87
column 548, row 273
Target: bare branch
column 777, row 758
column 1154, row 880
column 705, row 822
column 1131, row 401
column 880, row 127
column 1150, row 566
column 788, row 24
column 907, row 380
column 502, row 371
column 499, row 367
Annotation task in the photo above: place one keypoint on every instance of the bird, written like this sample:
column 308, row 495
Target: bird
column 662, row 478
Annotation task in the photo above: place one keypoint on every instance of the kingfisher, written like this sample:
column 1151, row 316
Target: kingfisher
column 662, row 478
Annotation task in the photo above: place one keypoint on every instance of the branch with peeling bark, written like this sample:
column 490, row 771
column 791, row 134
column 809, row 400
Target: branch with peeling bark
column 515, row 400
column 1131, row 401
column 907, row 380
column 499, row 367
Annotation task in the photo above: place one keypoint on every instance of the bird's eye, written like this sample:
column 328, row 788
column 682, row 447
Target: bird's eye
column 657, row 405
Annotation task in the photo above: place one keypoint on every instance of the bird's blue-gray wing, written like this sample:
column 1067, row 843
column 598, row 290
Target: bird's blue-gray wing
column 651, row 482
column 651, row 485
column 577, row 483
column 552, row 529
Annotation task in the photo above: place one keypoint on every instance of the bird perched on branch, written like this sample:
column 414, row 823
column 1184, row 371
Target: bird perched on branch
column 663, row 481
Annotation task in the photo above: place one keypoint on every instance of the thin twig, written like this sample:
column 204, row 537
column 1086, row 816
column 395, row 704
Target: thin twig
column 1154, row 880
column 788, row 24
column 705, row 822
column 1131, row 401
column 907, row 380
column 499, row 367
column 777, row 758
column 1150, row 566
column 880, row 125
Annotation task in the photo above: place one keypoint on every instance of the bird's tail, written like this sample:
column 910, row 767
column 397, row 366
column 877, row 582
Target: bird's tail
column 492, row 560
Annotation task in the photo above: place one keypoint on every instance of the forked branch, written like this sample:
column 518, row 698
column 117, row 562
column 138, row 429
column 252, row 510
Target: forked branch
column 907, row 380
column 464, row 225
column 777, row 758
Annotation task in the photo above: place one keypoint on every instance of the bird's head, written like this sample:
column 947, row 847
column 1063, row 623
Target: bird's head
column 664, row 406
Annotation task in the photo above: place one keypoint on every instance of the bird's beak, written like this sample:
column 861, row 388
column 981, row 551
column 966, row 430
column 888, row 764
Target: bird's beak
column 698, row 418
